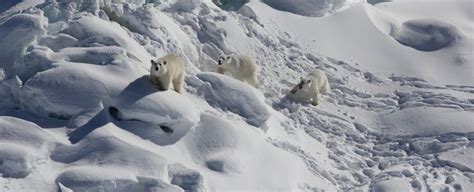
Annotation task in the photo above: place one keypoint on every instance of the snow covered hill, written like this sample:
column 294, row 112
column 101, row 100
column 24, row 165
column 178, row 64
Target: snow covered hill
column 79, row 113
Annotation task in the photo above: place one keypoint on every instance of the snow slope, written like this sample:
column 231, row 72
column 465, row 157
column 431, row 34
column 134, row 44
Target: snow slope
column 78, row 112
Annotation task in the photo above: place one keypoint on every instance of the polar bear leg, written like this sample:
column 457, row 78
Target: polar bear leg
column 253, row 81
column 178, row 83
column 315, row 99
column 221, row 70
column 165, row 83
column 155, row 80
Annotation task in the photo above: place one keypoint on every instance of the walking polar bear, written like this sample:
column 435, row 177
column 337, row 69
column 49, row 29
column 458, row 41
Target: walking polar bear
column 168, row 70
column 241, row 67
column 309, row 88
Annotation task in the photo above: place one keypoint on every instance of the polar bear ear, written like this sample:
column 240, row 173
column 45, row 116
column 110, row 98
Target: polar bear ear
column 164, row 62
column 228, row 57
column 152, row 62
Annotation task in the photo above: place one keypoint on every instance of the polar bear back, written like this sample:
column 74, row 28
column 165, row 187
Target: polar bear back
column 175, row 64
column 243, row 65
column 320, row 80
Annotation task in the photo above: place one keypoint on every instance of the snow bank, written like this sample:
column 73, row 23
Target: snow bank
column 314, row 8
column 427, row 34
column 232, row 95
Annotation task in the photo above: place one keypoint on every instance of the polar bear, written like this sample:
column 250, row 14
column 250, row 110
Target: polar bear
column 240, row 67
column 168, row 70
column 310, row 87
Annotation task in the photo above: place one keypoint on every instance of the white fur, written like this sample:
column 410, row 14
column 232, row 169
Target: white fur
column 168, row 70
column 310, row 87
column 241, row 67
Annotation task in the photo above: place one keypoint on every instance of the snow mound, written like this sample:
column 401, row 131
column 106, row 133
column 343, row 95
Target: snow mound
column 314, row 8
column 86, row 31
column 62, row 92
column 227, row 149
column 22, row 147
column 427, row 34
column 23, row 132
column 214, row 141
column 103, row 178
column 232, row 95
column 187, row 179
column 391, row 185
column 164, row 111
column 110, row 151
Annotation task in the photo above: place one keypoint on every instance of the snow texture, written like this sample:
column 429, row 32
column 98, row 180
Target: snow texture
column 78, row 111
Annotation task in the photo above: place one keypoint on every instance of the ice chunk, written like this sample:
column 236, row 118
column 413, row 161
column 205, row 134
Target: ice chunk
column 18, row 32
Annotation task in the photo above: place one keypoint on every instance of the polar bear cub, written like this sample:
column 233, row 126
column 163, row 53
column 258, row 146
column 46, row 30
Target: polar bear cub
column 310, row 87
column 241, row 67
column 168, row 70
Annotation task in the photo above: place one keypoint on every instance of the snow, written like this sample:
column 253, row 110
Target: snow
column 391, row 186
column 427, row 35
column 79, row 112
column 308, row 7
column 235, row 96
column 461, row 158
column 424, row 121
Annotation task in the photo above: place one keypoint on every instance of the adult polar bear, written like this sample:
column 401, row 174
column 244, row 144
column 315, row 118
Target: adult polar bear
column 241, row 67
column 310, row 87
column 168, row 70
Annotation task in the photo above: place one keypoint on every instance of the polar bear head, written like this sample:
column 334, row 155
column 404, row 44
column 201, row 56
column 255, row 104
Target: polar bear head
column 158, row 67
column 303, row 84
column 223, row 59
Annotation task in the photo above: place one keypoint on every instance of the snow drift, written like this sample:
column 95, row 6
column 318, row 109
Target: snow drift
column 78, row 112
